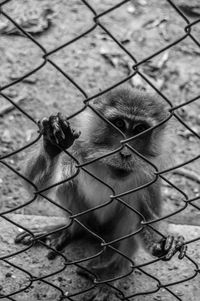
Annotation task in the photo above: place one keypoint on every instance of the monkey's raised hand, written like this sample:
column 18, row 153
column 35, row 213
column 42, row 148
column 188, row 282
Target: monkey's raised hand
column 56, row 131
column 168, row 246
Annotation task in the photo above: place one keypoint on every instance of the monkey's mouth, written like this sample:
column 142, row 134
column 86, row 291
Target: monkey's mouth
column 119, row 172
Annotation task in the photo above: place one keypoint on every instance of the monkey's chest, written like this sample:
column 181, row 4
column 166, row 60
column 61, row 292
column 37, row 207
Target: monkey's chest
column 98, row 195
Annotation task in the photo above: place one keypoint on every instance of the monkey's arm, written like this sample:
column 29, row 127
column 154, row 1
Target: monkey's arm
column 43, row 163
column 162, row 247
column 43, row 168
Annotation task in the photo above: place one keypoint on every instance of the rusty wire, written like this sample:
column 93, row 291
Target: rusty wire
column 46, row 58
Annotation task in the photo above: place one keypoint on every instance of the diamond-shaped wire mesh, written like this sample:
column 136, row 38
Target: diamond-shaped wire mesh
column 46, row 58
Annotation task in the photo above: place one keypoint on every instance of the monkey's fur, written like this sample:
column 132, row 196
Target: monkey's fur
column 132, row 111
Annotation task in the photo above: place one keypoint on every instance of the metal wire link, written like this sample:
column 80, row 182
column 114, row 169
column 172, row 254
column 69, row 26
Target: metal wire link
column 46, row 59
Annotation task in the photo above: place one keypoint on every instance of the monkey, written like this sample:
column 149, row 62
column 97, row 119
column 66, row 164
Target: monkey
column 114, row 169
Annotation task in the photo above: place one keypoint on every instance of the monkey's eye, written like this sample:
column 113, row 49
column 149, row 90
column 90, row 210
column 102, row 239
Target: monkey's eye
column 139, row 128
column 119, row 123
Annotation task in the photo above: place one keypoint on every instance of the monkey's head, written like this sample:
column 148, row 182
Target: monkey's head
column 131, row 112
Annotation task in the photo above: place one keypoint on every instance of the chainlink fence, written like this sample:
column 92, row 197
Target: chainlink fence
column 46, row 59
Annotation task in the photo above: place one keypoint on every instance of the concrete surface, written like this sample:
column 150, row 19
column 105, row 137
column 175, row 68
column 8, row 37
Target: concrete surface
column 35, row 262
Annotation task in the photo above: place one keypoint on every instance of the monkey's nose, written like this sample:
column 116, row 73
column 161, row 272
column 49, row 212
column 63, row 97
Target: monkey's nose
column 125, row 153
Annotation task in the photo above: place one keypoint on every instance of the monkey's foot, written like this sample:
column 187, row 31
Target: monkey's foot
column 26, row 238
column 167, row 247
column 101, row 293
column 58, row 240
column 57, row 131
column 101, row 269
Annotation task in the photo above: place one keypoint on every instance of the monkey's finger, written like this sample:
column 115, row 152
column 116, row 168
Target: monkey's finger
column 62, row 117
column 63, row 121
column 43, row 125
column 172, row 250
column 46, row 129
column 183, row 251
column 39, row 125
column 66, row 125
column 19, row 238
column 158, row 248
column 180, row 241
column 58, row 134
column 24, row 238
column 27, row 238
column 76, row 134
column 181, row 247
column 168, row 243
column 55, row 131
column 54, row 122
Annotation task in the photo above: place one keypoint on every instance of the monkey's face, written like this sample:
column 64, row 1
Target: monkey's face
column 119, row 161
column 129, row 113
column 126, row 160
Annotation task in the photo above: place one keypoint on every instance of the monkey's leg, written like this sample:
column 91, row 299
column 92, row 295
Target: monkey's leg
column 26, row 238
column 108, row 266
column 114, row 260
column 58, row 240
column 104, row 267
column 166, row 247
column 66, row 236
column 110, row 263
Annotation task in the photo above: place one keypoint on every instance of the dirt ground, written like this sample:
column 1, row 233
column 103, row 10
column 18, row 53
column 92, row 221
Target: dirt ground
column 95, row 62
